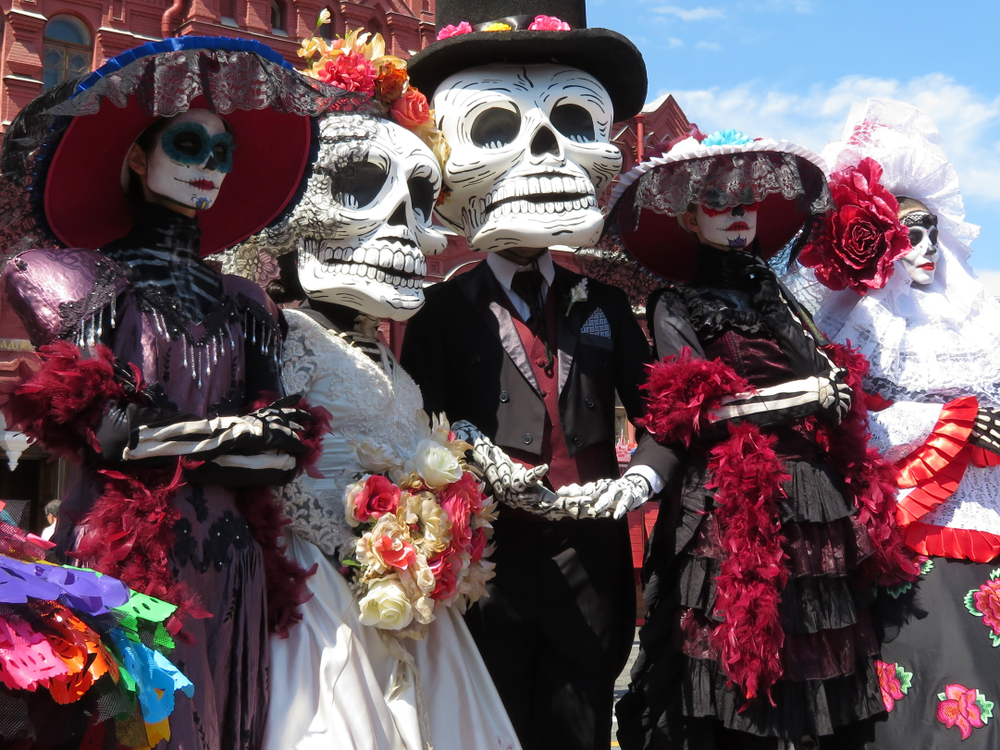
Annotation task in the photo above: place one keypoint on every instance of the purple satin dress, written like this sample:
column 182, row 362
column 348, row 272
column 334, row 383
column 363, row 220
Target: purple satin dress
column 206, row 346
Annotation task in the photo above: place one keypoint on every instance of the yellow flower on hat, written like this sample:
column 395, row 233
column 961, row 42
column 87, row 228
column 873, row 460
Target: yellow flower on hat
column 498, row 27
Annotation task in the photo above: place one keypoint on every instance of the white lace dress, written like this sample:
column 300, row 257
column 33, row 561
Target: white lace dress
column 336, row 683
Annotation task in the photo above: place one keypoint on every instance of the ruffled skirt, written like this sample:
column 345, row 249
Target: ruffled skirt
column 680, row 697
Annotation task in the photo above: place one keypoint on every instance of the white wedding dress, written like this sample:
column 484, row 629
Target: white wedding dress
column 336, row 683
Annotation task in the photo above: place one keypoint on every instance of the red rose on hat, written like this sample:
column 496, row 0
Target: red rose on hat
column 864, row 236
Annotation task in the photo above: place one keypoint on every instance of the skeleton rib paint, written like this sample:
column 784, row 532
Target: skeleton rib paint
column 530, row 153
column 364, row 222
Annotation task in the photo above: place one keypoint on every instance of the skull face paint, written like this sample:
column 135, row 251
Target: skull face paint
column 364, row 223
column 530, row 153
column 729, row 228
column 191, row 159
column 921, row 262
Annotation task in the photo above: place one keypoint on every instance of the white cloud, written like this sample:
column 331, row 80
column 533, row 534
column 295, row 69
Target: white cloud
column 969, row 122
column 675, row 43
column 991, row 280
column 708, row 45
column 694, row 14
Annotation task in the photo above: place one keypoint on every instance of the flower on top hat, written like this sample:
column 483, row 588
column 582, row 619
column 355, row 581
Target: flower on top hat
column 358, row 62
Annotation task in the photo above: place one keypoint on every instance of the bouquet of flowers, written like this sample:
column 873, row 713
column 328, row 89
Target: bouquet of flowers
column 423, row 526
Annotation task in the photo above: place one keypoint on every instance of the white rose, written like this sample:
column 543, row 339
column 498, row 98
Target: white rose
column 386, row 606
column 375, row 457
column 435, row 464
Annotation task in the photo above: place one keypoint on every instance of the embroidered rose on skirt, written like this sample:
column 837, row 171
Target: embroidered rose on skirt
column 985, row 602
column 894, row 681
column 965, row 708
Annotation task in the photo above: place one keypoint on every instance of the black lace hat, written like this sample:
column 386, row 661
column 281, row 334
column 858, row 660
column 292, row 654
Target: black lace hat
column 487, row 32
column 63, row 154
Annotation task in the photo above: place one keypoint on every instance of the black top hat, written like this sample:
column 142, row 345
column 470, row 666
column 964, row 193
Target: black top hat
column 607, row 55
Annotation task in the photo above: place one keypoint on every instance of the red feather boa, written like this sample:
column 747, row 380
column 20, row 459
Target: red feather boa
column 128, row 532
column 748, row 476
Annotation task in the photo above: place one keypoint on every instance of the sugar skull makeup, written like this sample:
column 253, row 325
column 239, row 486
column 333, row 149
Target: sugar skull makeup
column 921, row 262
column 190, row 159
column 728, row 228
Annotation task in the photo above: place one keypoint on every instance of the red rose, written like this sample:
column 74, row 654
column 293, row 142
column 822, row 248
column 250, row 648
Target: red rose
column 864, row 236
column 411, row 109
column 351, row 71
column 548, row 23
column 395, row 552
column 448, row 31
column 378, row 497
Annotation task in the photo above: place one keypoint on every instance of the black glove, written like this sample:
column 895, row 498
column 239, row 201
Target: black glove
column 986, row 430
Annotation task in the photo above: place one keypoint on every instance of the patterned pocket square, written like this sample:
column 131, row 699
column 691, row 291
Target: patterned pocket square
column 597, row 325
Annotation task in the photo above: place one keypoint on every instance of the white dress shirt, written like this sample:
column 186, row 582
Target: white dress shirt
column 504, row 271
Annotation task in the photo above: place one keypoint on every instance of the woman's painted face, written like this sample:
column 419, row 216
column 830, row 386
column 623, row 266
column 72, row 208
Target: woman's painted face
column 729, row 228
column 921, row 262
column 190, row 159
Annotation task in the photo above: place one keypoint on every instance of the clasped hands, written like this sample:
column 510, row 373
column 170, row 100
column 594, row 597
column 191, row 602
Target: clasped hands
column 518, row 486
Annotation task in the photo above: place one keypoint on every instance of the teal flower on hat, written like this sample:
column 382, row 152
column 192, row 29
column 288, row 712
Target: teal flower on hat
column 727, row 138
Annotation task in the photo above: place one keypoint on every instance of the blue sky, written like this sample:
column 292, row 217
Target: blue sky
column 793, row 68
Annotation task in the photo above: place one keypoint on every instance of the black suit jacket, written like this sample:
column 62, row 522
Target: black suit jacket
column 463, row 350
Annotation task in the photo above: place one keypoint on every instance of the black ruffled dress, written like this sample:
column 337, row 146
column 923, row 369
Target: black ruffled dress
column 680, row 696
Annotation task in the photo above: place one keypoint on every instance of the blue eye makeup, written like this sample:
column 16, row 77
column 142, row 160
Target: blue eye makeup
column 190, row 143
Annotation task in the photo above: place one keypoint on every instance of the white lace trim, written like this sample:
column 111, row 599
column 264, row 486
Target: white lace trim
column 902, row 428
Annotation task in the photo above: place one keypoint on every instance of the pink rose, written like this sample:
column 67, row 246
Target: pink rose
column 447, row 31
column 395, row 552
column 987, row 602
column 351, row 71
column 411, row 109
column 548, row 23
column 864, row 236
column 477, row 545
column 888, row 682
column 459, row 500
column 378, row 497
column 445, row 569
column 960, row 707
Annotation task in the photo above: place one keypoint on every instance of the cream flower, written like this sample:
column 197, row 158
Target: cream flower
column 352, row 491
column 376, row 457
column 386, row 605
column 435, row 464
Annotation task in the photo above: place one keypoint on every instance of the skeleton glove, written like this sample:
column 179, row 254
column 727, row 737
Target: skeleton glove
column 986, row 430
column 275, row 429
column 835, row 396
column 508, row 480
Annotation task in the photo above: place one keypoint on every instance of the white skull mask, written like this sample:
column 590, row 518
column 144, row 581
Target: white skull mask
column 364, row 222
column 921, row 262
column 530, row 154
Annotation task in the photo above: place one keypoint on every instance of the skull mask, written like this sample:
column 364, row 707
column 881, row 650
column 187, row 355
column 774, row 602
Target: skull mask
column 530, row 153
column 364, row 222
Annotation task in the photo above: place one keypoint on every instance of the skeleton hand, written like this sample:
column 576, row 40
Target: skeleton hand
column 835, row 396
column 272, row 428
column 986, row 430
column 507, row 478
column 600, row 499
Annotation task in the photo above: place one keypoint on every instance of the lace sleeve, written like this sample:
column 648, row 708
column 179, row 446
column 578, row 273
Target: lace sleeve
column 902, row 428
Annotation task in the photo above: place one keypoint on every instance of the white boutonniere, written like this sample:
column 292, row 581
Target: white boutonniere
column 577, row 294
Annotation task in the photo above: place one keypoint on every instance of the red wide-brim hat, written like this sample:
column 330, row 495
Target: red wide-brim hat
column 264, row 100
column 784, row 180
